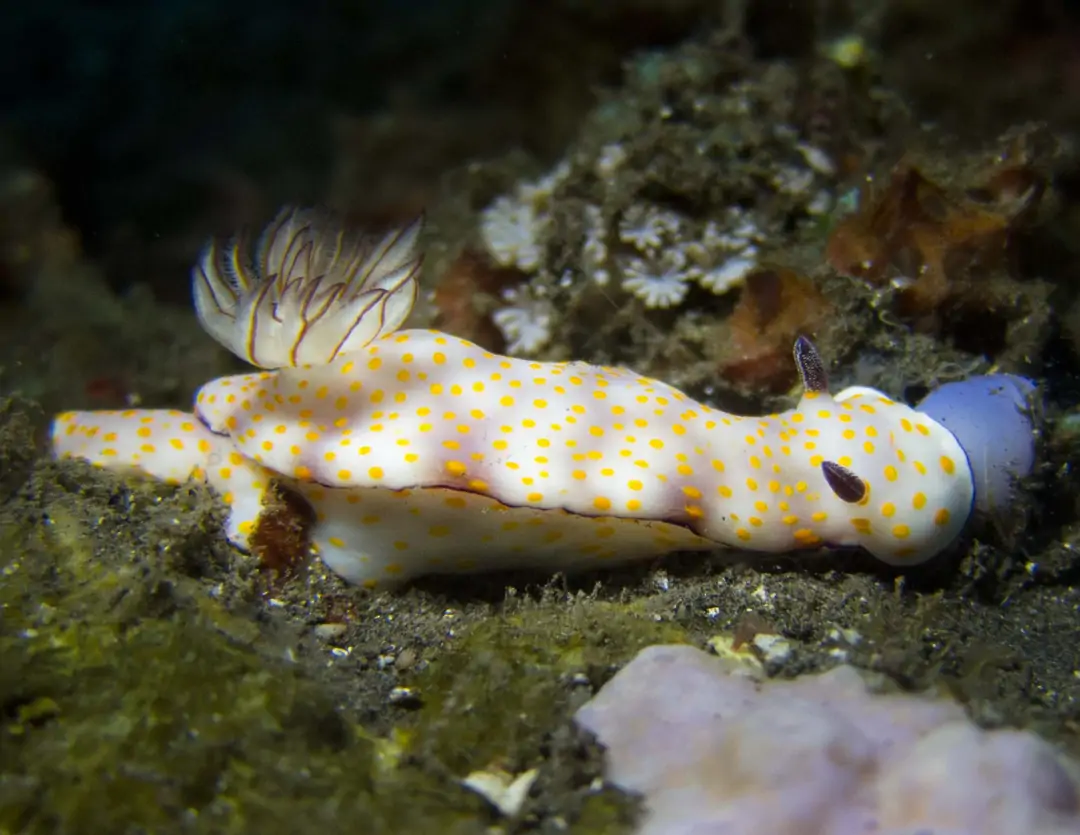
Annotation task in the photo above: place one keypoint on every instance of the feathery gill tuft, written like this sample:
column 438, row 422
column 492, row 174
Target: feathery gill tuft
column 315, row 289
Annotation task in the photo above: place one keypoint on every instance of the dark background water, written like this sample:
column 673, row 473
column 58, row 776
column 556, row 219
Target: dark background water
column 160, row 121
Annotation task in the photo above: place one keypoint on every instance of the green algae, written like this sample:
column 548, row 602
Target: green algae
column 509, row 680
column 132, row 702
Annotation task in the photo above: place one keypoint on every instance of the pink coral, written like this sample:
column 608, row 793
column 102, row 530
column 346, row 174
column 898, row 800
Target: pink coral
column 715, row 752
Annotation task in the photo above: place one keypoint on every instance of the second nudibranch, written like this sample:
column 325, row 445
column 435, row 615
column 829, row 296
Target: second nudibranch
column 421, row 452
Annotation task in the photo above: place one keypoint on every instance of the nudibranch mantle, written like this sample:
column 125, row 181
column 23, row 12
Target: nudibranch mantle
column 423, row 453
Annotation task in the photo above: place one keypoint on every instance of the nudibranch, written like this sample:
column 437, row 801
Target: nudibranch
column 424, row 453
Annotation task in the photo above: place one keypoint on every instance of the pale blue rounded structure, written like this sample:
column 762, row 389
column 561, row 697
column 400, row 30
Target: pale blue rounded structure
column 992, row 418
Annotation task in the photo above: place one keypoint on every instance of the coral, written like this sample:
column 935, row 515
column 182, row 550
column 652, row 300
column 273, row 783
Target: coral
column 526, row 323
column 949, row 258
column 714, row 751
column 466, row 294
column 638, row 240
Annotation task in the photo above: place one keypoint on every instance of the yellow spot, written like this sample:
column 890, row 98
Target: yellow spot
column 923, row 429
column 947, row 465
column 634, row 484
column 743, row 534
column 724, row 491
column 861, row 525
column 438, row 357
column 656, row 443
column 602, row 503
column 718, row 465
column 633, row 504
column 901, row 531
column 375, row 472
column 941, row 518
column 849, row 434
column 344, row 475
column 751, row 484
column 456, row 468
column 918, row 501
column 890, row 473
column 888, row 509
column 439, row 530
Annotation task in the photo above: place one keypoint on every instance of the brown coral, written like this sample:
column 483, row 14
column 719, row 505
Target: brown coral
column 777, row 305
column 940, row 250
column 465, row 298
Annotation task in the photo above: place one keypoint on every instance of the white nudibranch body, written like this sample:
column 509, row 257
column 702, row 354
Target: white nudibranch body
column 423, row 453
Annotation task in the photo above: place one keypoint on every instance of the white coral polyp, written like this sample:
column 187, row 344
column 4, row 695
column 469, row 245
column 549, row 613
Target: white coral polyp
column 659, row 286
column 525, row 324
column 729, row 274
column 511, row 229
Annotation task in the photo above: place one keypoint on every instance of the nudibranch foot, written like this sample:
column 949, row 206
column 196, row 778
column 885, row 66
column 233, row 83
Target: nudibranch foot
column 375, row 537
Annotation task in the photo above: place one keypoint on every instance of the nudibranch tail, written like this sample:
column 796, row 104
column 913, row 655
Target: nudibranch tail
column 169, row 446
column 314, row 290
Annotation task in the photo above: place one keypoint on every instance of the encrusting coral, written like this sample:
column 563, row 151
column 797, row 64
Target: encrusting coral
column 715, row 751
